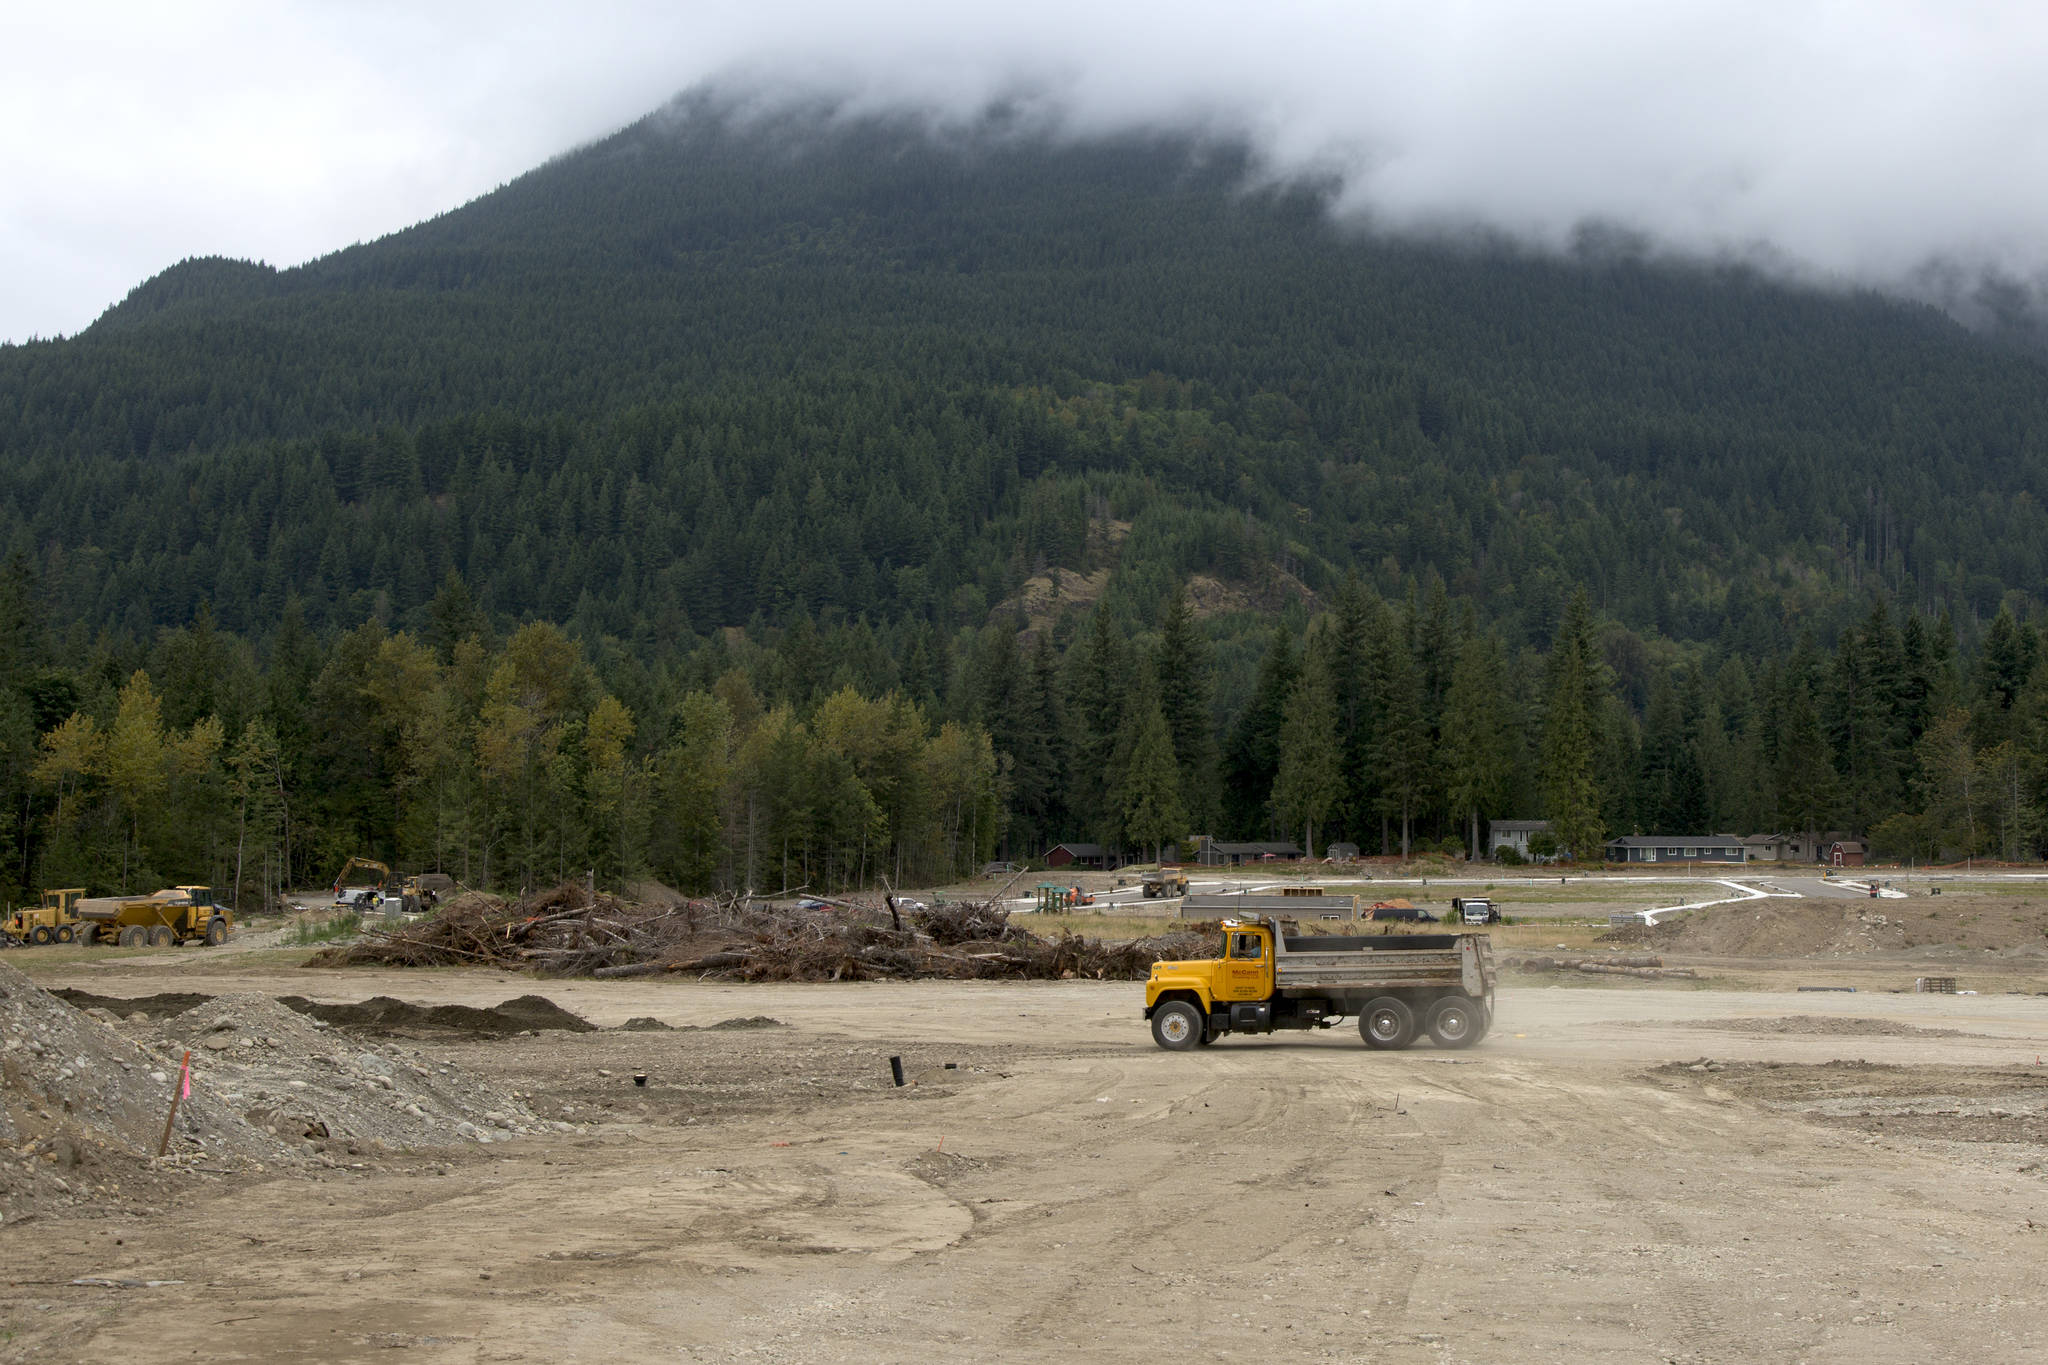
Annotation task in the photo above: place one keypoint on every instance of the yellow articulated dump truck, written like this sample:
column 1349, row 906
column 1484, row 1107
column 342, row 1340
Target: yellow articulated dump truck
column 54, row 921
column 1399, row 986
column 177, row 914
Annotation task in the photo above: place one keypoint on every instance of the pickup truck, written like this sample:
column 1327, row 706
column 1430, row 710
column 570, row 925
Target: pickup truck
column 1398, row 986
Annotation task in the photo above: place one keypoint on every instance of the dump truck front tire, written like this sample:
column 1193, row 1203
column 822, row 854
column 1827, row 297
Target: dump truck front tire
column 1178, row 1026
column 1387, row 1024
column 216, row 932
column 1456, row 1021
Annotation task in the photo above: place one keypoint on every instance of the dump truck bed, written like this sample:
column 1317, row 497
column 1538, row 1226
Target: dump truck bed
column 1309, row 964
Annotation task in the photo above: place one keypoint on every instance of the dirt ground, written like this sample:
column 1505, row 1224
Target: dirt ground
column 1613, row 1175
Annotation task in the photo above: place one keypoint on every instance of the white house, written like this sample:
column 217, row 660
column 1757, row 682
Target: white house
column 1512, row 834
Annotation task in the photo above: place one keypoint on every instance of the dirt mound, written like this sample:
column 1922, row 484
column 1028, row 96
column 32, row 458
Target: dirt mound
column 1846, row 928
column 647, row 1023
column 155, row 1006
column 84, row 1100
column 291, row 1078
column 82, row 1105
column 1825, row 1025
column 383, row 1014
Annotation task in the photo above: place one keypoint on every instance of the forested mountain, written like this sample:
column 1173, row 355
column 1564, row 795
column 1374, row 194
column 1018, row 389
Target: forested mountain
column 833, row 404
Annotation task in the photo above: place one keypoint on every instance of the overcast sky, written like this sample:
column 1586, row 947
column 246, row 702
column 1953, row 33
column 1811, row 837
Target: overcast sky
column 1857, row 139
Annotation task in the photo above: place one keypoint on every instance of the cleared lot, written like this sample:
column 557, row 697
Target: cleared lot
column 1067, row 1192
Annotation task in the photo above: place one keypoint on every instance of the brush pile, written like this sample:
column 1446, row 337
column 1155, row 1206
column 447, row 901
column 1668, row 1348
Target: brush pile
column 568, row 932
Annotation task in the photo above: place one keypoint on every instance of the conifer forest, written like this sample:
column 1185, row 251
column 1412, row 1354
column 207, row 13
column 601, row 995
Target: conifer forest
column 804, row 500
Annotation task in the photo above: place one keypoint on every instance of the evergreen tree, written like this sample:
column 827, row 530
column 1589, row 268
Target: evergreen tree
column 1147, row 795
column 1182, row 665
column 1571, row 790
column 1309, row 781
column 1478, row 756
column 1251, row 760
column 1402, row 756
column 1100, row 676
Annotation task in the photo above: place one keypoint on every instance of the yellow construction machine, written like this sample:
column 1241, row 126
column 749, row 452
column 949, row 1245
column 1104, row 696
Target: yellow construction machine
column 55, row 920
column 177, row 914
column 421, row 892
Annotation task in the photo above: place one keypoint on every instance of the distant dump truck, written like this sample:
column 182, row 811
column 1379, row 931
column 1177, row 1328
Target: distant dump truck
column 55, row 920
column 1398, row 986
column 1164, row 883
column 178, row 914
column 1474, row 910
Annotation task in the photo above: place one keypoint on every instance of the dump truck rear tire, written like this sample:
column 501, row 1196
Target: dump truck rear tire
column 216, row 932
column 65, row 933
column 1387, row 1024
column 40, row 935
column 88, row 934
column 1178, row 1026
column 134, row 936
column 161, row 936
column 1454, row 1021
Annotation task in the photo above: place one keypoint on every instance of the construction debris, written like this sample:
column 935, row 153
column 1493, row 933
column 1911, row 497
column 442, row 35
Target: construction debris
column 1649, row 968
column 569, row 932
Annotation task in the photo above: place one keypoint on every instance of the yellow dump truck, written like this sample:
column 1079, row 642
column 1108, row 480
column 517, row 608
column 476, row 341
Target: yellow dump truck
column 55, row 920
column 1398, row 986
column 1168, row 881
column 177, row 914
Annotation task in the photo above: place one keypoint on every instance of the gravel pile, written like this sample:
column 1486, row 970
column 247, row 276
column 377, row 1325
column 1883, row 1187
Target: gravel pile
column 84, row 1095
column 291, row 1077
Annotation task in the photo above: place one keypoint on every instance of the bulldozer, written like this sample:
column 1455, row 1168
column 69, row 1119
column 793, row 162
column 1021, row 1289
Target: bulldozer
column 55, row 920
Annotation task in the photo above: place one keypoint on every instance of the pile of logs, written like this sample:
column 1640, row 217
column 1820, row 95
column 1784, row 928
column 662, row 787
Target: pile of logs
column 568, row 932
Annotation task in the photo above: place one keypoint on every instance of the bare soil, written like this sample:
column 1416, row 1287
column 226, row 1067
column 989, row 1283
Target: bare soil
column 1064, row 1191
column 1927, row 927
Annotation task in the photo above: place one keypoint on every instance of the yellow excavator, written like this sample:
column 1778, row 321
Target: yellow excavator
column 419, row 893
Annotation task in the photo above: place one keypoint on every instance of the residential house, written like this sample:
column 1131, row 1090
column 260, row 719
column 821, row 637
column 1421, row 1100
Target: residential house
column 1214, row 853
column 1675, row 848
column 1512, row 834
column 1093, row 856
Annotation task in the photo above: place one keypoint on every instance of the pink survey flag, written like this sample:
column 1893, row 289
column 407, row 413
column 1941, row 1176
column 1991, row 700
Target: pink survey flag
column 185, row 1079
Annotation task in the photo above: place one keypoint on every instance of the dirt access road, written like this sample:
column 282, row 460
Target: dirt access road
column 1069, row 1193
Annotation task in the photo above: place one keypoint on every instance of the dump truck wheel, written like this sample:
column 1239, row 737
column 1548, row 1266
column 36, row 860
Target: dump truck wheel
column 1454, row 1021
column 134, row 936
column 65, row 933
column 161, row 936
column 1387, row 1024
column 216, row 932
column 1177, row 1026
column 40, row 935
column 88, row 934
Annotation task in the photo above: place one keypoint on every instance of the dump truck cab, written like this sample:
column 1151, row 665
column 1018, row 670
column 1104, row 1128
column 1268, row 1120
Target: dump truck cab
column 1397, row 985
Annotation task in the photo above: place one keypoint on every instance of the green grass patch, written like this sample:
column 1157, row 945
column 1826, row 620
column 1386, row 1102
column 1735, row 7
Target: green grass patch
column 308, row 932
